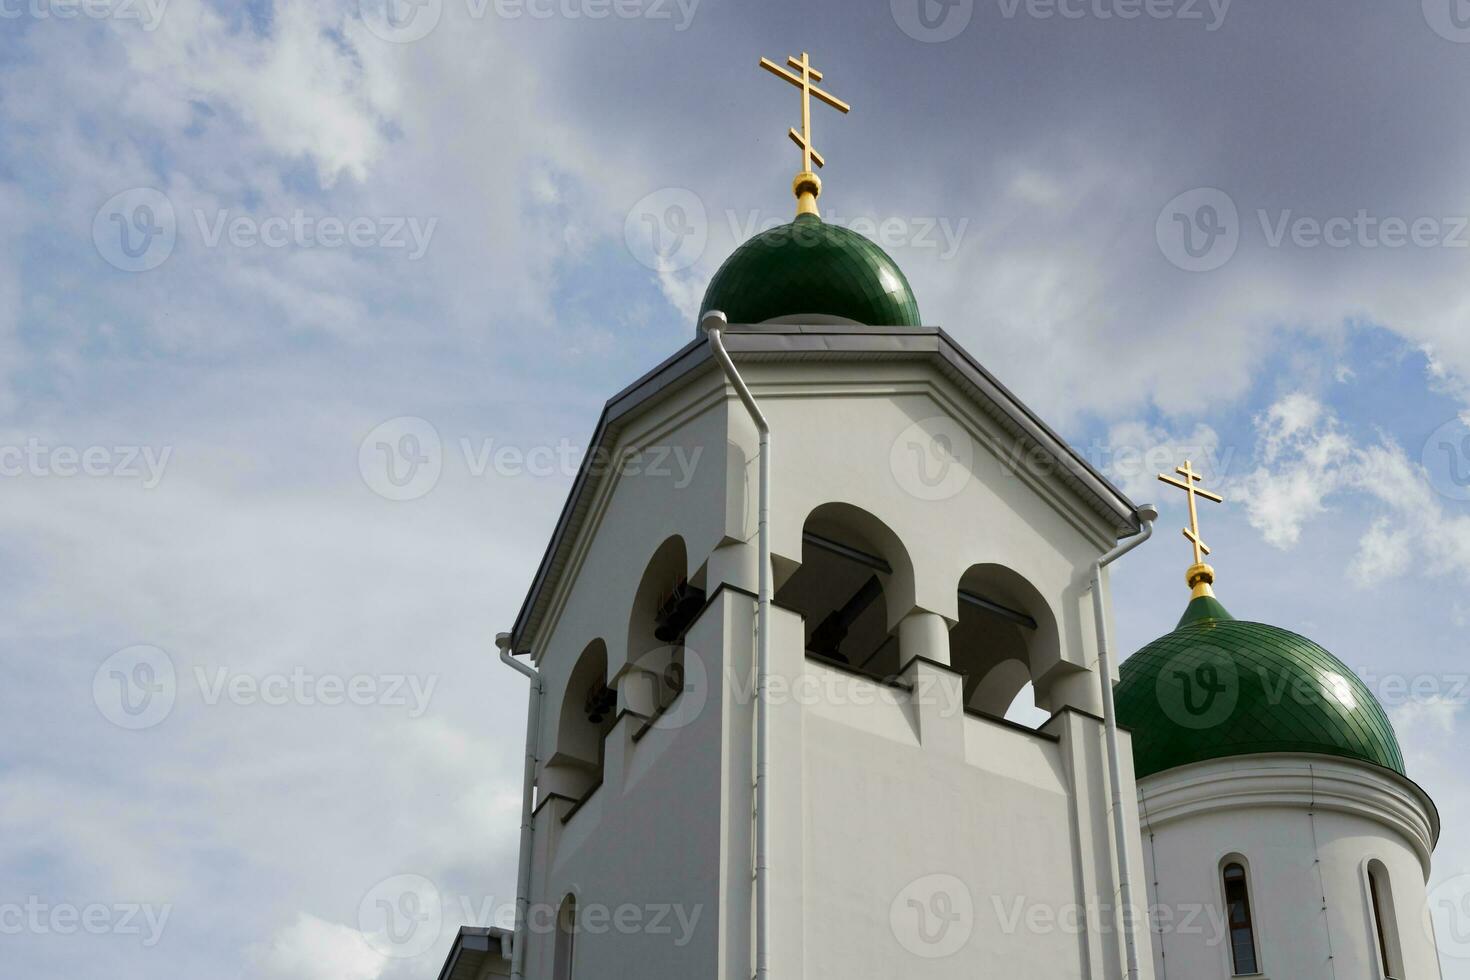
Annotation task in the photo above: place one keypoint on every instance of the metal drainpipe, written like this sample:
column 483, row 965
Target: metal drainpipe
column 1147, row 514
column 528, row 786
column 712, row 324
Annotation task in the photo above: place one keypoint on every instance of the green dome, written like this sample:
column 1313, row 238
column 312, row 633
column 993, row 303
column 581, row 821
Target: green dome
column 811, row 268
column 1217, row 688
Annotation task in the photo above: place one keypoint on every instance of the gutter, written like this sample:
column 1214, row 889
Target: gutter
column 1147, row 514
column 528, row 789
column 712, row 324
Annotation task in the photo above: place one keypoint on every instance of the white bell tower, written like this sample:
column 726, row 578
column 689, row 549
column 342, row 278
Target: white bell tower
column 932, row 546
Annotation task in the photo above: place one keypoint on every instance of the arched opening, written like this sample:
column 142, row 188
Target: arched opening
column 1240, row 919
column 1385, row 922
column 564, row 958
column 849, row 562
column 1005, row 631
column 588, row 710
column 664, row 607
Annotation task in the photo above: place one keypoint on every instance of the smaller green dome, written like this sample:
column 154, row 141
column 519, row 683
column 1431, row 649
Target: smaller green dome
column 1217, row 688
column 811, row 268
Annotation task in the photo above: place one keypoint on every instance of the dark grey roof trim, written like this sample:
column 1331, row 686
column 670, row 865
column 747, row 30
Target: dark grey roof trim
column 779, row 341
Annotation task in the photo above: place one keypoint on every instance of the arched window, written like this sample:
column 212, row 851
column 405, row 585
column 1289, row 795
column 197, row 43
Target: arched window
column 1385, row 922
column 1238, row 917
column 566, row 939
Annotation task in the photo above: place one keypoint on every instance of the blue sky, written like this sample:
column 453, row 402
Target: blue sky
column 239, row 241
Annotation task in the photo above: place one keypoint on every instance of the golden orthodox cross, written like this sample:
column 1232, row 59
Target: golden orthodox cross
column 807, row 182
column 1188, row 486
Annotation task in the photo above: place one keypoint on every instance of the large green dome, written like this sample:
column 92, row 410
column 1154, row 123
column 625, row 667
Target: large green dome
column 811, row 268
column 1217, row 688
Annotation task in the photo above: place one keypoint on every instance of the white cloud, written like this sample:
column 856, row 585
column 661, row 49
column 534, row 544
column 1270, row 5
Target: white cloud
column 1307, row 458
column 1302, row 452
column 314, row 949
column 1428, row 718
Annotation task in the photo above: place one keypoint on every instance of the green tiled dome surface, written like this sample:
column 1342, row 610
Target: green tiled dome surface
column 1217, row 688
column 812, row 268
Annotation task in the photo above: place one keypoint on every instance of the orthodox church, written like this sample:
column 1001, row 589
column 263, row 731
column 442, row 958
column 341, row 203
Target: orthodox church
column 767, row 729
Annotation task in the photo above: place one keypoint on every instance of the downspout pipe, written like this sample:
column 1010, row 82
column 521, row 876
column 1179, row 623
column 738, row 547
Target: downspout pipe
column 712, row 324
column 528, row 790
column 1147, row 514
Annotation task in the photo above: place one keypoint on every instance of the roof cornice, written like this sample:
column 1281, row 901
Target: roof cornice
column 1304, row 782
column 815, row 342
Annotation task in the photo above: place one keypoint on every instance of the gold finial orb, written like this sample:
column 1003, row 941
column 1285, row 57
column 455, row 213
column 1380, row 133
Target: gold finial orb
column 1199, row 575
column 807, row 185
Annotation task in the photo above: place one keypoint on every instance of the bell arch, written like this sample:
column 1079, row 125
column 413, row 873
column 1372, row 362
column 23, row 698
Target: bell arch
column 585, row 717
column 1005, row 638
column 664, row 606
column 853, row 586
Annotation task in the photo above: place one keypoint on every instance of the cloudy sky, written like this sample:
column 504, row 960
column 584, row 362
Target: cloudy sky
column 248, row 248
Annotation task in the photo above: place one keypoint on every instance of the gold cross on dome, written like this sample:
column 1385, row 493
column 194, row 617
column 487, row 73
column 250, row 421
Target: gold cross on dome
column 806, row 181
column 1188, row 486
